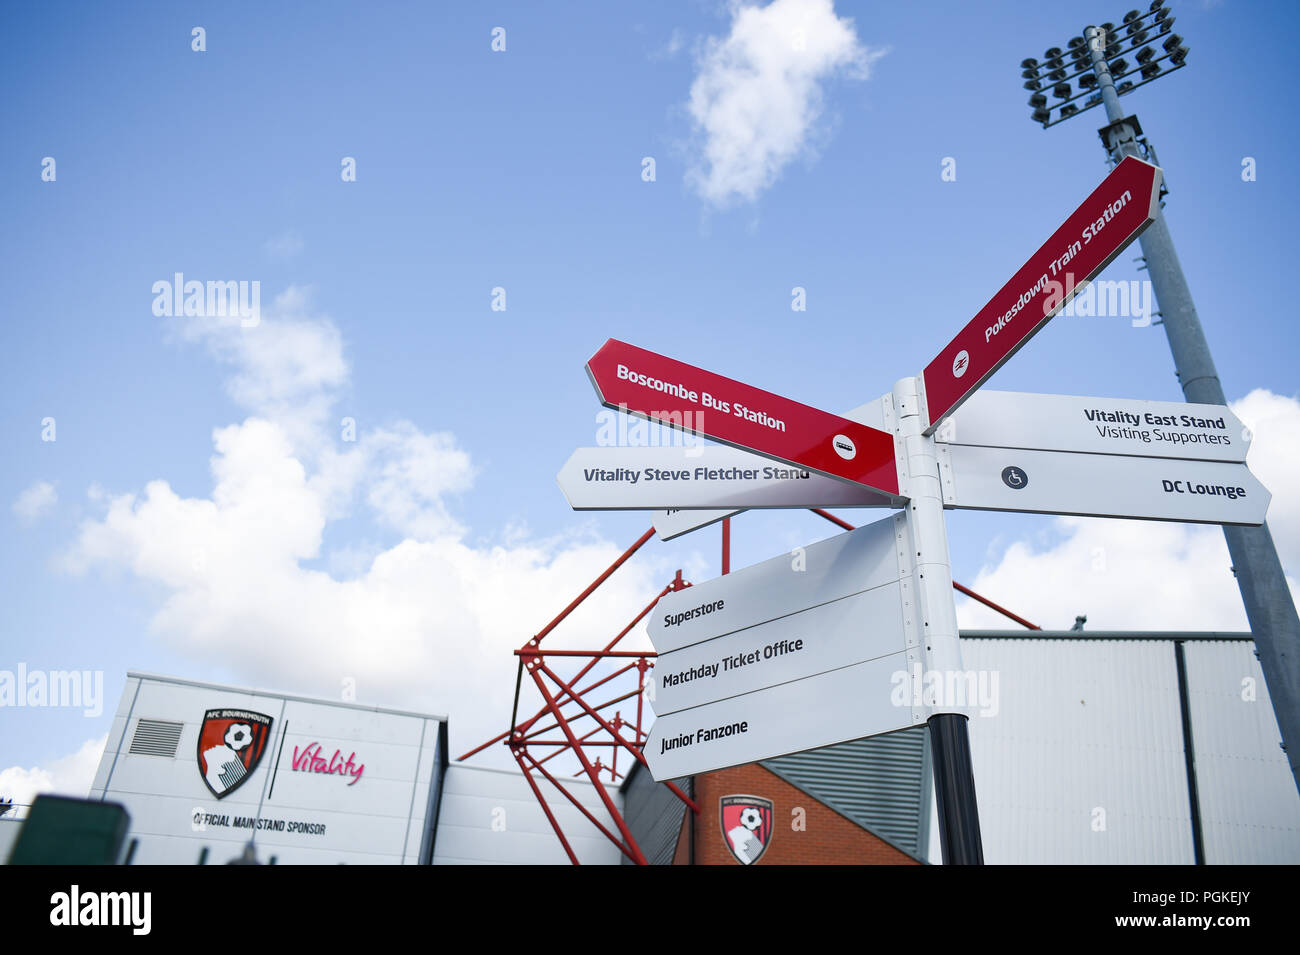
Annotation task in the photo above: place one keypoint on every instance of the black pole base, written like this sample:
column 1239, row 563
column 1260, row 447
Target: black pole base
column 954, row 788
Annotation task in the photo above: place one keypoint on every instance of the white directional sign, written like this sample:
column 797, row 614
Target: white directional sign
column 837, row 634
column 772, row 659
column 614, row 479
column 849, row 703
column 1162, row 429
column 1101, row 485
column 840, row 566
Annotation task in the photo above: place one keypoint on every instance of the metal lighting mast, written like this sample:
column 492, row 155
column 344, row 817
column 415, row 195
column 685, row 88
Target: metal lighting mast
column 1095, row 62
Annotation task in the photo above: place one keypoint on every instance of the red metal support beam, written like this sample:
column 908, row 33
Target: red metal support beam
column 991, row 605
column 533, row 667
column 546, row 809
column 580, row 807
column 634, row 750
column 590, row 589
column 676, row 584
column 726, row 546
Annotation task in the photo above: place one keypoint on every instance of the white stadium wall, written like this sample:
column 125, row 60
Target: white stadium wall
column 1084, row 762
column 491, row 817
column 334, row 782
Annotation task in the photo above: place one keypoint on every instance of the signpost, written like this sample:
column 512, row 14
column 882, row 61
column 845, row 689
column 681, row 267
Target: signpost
column 803, row 650
column 1116, row 213
column 794, row 653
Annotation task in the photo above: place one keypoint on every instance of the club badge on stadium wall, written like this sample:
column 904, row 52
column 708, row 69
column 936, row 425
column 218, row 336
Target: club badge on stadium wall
column 746, row 826
column 231, row 744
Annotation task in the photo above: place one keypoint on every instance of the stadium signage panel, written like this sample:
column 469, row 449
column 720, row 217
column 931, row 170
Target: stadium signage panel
column 849, row 703
column 679, row 395
column 1102, row 485
column 1113, row 215
column 699, row 478
column 740, row 654
column 828, row 570
column 1131, row 426
column 794, row 647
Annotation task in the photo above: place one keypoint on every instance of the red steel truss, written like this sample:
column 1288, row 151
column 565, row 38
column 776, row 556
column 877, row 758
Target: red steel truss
column 583, row 725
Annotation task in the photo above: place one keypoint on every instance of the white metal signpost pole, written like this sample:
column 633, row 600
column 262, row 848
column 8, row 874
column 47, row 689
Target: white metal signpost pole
column 954, row 779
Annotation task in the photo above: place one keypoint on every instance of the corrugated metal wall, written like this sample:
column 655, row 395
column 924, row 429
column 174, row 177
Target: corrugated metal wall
column 1249, row 806
column 1084, row 761
column 654, row 815
column 879, row 783
column 491, row 817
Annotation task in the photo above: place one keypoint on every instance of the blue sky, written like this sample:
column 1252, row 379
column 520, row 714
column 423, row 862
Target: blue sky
column 521, row 169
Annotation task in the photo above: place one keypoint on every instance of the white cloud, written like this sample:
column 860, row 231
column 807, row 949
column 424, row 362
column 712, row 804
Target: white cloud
column 70, row 775
column 429, row 621
column 288, row 367
column 35, row 502
column 413, row 472
column 1146, row 575
column 758, row 95
column 1275, row 459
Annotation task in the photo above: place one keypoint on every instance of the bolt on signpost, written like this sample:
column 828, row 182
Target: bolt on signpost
column 765, row 661
column 1095, row 61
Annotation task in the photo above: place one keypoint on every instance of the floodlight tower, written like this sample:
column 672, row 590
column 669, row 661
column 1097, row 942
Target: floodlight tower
column 1093, row 63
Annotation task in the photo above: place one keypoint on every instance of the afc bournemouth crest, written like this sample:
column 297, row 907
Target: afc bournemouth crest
column 231, row 744
column 746, row 826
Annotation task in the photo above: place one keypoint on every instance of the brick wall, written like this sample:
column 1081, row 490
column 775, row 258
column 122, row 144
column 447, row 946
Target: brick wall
column 818, row 836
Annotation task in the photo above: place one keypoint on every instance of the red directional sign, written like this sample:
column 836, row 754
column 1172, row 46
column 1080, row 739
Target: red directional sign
column 1126, row 202
column 648, row 385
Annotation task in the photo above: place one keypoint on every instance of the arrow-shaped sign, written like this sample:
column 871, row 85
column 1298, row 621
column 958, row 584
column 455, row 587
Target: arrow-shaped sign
column 1101, row 485
column 1133, row 426
column 679, row 395
column 629, row 479
column 1117, row 212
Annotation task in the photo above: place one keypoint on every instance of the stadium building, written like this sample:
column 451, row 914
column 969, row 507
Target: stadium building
column 1098, row 748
